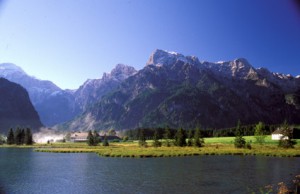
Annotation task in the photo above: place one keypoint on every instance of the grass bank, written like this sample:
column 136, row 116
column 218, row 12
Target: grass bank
column 213, row 146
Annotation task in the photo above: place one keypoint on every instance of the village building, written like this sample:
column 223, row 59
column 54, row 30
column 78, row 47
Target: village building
column 278, row 134
column 79, row 137
column 82, row 137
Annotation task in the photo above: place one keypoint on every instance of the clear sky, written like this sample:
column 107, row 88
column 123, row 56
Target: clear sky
column 69, row 41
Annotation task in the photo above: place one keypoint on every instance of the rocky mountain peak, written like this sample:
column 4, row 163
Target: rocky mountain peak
column 241, row 67
column 162, row 57
column 122, row 71
column 93, row 89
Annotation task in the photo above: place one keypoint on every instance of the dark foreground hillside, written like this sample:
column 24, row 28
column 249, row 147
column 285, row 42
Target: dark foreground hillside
column 16, row 108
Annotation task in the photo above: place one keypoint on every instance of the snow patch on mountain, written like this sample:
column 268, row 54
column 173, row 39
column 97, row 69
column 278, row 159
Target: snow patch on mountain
column 7, row 69
column 162, row 57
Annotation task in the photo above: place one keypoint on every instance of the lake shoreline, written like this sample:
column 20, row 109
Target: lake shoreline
column 124, row 150
column 165, row 155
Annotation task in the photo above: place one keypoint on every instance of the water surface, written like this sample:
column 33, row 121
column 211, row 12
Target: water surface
column 25, row 171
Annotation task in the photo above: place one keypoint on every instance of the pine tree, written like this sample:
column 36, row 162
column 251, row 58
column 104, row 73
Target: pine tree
column 22, row 136
column 180, row 138
column 167, row 136
column 239, row 141
column 28, row 137
column 190, row 138
column 105, row 142
column 10, row 137
column 18, row 136
column 198, row 139
column 259, row 133
column 97, row 139
column 142, row 138
column 90, row 138
column 156, row 142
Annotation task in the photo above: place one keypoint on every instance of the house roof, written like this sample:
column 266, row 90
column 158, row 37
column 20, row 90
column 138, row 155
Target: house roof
column 79, row 135
column 84, row 135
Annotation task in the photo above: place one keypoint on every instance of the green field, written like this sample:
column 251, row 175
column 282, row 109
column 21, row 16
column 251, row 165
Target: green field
column 230, row 140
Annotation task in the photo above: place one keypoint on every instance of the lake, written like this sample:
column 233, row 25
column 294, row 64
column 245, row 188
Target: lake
column 26, row 171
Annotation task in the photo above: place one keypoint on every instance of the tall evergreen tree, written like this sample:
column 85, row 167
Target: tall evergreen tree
column 22, row 136
column 198, row 139
column 142, row 138
column 156, row 142
column 180, row 138
column 18, row 136
column 10, row 137
column 190, row 138
column 28, row 137
column 97, row 139
column 239, row 141
column 105, row 142
column 259, row 133
column 167, row 136
column 90, row 138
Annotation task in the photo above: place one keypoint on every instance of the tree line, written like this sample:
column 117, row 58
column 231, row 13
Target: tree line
column 180, row 138
column 260, row 132
column 19, row 136
column 244, row 130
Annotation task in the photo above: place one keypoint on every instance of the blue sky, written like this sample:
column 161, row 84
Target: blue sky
column 69, row 41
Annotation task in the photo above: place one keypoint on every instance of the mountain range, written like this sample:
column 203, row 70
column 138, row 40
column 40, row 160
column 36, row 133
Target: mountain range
column 55, row 105
column 180, row 91
column 172, row 89
column 16, row 108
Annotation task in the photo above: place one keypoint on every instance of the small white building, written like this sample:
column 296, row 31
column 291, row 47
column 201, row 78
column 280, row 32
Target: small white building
column 278, row 135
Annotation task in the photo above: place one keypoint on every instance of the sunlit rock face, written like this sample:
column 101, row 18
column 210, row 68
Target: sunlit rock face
column 93, row 89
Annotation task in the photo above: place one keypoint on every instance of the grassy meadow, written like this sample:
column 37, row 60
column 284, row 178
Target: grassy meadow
column 213, row 146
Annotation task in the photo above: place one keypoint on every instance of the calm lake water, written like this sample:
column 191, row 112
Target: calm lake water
column 25, row 171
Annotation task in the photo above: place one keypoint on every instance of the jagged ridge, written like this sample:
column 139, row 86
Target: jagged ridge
column 180, row 91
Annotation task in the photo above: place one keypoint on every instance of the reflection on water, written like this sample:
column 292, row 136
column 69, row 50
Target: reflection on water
column 1, row 189
column 25, row 171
